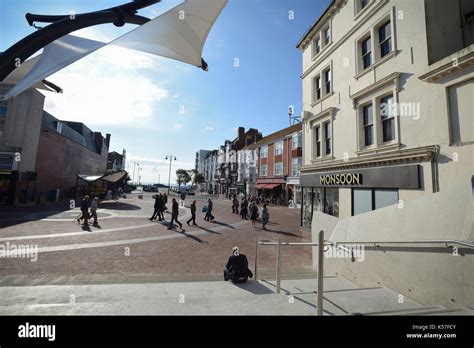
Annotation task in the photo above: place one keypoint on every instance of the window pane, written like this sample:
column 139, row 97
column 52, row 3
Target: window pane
column 386, row 106
column 366, row 45
column 367, row 111
column 367, row 61
column 331, row 204
column 388, row 130
column 385, row 48
column 385, row 198
column 368, row 135
column 363, row 3
column 384, row 31
column 362, row 200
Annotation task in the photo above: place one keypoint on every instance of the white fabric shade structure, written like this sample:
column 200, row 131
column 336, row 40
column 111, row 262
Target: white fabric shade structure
column 112, row 177
column 179, row 34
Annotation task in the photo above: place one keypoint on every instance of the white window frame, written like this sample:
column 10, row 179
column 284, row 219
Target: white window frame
column 278, row 164
column 359, row 10
column 320, row 37
column 321, row 75
column 373, row 32
column 279, row 147
column 296, row 140
column 318, row 121
column 264, row 154
column 264, row 170
column 296, row 167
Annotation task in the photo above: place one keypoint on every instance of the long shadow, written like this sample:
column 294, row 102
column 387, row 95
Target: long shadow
column 119, row 206
column 282, row 232
column 193, row 237
column 223, row 224
column 207, row 230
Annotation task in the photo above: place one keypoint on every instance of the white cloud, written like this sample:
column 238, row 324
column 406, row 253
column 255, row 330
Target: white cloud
column 209, row 128
column 178, row 126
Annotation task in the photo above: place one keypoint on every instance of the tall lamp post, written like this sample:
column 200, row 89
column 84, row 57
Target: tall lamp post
column 134, row 165
column 138, row 174
column 170, row 158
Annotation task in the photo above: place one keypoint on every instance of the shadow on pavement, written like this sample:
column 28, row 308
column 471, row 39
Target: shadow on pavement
column 254, row 287
column 207, row 230
column 223, row 224
column 118, row 206
column 281, row 232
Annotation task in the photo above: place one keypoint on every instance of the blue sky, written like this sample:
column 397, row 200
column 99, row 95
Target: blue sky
column 138, row 97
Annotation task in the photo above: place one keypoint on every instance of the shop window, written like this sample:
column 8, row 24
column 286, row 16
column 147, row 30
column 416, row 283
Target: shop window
column 365, row 200
column 278, row 148
column 278, row 169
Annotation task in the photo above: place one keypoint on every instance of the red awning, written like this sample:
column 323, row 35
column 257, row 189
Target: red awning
column 271, row 186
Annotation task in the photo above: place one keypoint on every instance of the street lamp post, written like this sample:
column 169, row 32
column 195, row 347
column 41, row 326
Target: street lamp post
column 134, row 165
column 139, row 176
column 171, row 158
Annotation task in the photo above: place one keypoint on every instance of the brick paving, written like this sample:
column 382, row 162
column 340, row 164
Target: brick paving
column 199, row 250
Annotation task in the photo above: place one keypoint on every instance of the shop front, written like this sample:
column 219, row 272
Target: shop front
column 293, row 192
column 350, row 192
column 272, row 190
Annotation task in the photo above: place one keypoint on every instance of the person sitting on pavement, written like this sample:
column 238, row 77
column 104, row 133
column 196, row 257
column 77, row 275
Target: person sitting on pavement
column 237, row 268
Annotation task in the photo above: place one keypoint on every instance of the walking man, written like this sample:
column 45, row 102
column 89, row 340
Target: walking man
column 209, row 215
column 161, row 206
column 174, row 215
column 94, row 203
column 265, row 216
column 156, row 208
column 84, row 210
column 193, row 214
column 243, row 208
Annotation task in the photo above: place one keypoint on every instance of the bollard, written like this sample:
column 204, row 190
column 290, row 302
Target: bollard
column 256, row 259
column 320, row 272
column 278, row 266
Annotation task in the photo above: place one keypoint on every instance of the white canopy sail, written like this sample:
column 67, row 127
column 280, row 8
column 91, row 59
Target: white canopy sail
column 179, row 34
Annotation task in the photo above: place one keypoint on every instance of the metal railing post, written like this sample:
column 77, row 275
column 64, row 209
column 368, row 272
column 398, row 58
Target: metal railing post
column 278, row 266
column 256, row 259
column 320, row 272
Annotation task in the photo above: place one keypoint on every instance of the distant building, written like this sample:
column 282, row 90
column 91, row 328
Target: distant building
column 40, row 155
column 116, row 161
column 279, row 161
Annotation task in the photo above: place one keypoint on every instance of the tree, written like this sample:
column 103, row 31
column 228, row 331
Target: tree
column 182, row 177
column 199, row 178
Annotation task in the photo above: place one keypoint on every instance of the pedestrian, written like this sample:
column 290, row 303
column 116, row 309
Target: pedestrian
column 253, row 213
column 244, row 209
column 235, row 205
column 84, row 210
column 209, row 216
column 174, row 215
column 193, row 214
column 165, row 198
column 161, row 206
column 155, row 207
column 265, row 216
column 94, row 203
column 237, row 267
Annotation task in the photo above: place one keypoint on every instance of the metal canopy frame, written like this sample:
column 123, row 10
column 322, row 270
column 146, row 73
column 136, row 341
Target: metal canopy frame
column 62, row 25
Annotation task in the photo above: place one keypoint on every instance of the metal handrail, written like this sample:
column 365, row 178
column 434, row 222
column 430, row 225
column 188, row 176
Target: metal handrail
column 322, row 243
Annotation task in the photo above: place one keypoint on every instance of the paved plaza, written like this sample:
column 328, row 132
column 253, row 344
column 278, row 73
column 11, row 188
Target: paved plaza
column 127, row 247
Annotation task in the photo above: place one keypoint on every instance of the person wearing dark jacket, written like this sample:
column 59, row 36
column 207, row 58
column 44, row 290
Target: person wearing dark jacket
column 237, row 268
column 209, row 216
column 84, row 210
column 244, row 208
column 193, row 214
column 157, row 208
column 174, row 215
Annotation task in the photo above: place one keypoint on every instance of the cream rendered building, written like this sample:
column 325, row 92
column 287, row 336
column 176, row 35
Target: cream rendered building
column 388, row 97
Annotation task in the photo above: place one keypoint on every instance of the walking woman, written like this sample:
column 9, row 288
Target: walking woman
column 253, row 214
column 265, row 216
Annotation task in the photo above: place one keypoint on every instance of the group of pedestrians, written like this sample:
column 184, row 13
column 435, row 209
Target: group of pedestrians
column 249, row 209
column 160, row 206
column 86, row 215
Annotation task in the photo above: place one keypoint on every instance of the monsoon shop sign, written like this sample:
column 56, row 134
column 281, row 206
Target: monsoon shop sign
column 341, row 179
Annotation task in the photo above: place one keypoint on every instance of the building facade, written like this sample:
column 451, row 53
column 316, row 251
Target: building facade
column 116, row 161
column 387, row 99
column 41, row 156
column 279, row 161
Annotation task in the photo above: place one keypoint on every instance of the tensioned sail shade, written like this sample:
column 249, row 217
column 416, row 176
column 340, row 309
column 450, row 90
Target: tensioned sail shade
column 179, row 33
column 56, row 56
